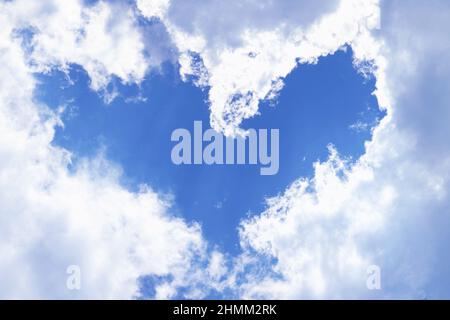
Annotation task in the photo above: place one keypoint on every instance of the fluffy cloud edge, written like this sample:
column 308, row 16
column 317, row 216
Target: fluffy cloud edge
column 53, row 215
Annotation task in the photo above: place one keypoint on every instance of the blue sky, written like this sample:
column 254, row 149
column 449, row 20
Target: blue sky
column 90, row 195
column 317, row 107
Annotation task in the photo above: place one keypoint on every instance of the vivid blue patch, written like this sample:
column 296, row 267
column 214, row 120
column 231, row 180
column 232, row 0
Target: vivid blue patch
column 317, row 106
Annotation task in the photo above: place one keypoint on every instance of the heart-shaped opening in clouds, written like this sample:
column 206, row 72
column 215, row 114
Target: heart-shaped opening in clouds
column 328, row 103
column 95, row 203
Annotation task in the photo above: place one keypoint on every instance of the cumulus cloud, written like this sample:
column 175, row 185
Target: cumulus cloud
column 103, row 38
column 252, row 45
column 54, row 213
column 390, row 208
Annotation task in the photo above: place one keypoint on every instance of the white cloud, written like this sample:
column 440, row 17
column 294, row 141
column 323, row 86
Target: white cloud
column 154, row 8
column 251, row 45
column 311, row 229
column 103, row 38
column 390, row 208
column 51, row 216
